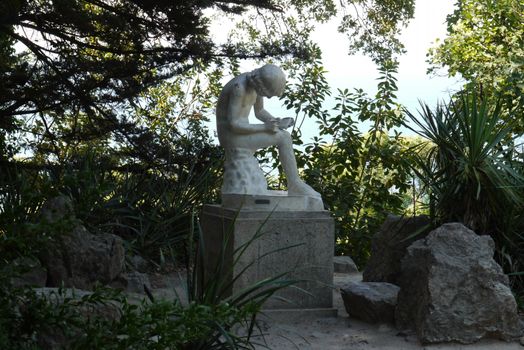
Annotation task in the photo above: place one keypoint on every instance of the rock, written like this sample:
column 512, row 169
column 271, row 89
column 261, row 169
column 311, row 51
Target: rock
column 453, row 290
column 139, row 264
column 522, row 341
column 54, row 337
column 80, row 259
column 389, row 244
column 372, row 302
column 132, row 282
column 109, row 310
column 344, row 264
column 33, row 273
column 56, row 209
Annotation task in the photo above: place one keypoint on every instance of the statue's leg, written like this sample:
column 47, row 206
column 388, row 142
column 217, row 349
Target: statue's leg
column 287, row 157
column 282, row 139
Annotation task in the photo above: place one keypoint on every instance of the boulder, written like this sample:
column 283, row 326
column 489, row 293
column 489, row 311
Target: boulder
column 32, row 273
column 344, row 264
column 54, row 336
column 133, row 282
column 139, row 264
column 80, row 259
column 453, row 290
column 56, row 209
column 372, row 302
column 389, row 244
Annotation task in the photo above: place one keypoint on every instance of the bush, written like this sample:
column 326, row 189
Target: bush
column 473, row 174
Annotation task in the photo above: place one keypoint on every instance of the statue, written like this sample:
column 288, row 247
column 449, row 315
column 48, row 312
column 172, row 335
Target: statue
column 240, row 139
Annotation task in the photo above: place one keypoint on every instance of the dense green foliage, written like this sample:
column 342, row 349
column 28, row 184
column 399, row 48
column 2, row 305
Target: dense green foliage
column 105, row 318
column 93, row 57
column 471, row 166
column 485, row 45
column 473, row 173
column 362, row 176
column 475, row 176
column 105, row 101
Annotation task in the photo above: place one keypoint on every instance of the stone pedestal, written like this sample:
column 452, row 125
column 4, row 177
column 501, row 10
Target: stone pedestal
column 297, row 243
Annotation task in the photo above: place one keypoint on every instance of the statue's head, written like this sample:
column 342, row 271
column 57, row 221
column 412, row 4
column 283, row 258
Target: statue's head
column 268, row 80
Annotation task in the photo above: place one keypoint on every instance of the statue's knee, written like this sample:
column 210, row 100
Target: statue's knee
column 284, row 137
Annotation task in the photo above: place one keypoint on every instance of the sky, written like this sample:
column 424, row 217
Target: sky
column 358, row 71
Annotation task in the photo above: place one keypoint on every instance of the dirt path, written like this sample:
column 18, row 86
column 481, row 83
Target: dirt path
column 346, row 333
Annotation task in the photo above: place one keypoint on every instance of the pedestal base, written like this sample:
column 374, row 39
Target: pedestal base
column 297, row 243
column 272, row 201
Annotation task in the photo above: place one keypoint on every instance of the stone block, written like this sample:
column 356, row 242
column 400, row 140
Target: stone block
column 344, row 264
column 298, row 244
column 272, row 201
column 372, row 302
column 389, row 244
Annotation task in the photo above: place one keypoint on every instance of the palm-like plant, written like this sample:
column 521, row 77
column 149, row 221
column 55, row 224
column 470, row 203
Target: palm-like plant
column 469, row 170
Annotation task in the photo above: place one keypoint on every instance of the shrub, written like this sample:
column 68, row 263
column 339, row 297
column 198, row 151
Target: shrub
column 472, row 172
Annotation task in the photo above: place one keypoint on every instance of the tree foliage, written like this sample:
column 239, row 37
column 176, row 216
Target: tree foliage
column 472, row 171
column 362, row 176
column 92, row 55
column 374, row 26
column 82, row 69
column 106, row 98
column 485, row 44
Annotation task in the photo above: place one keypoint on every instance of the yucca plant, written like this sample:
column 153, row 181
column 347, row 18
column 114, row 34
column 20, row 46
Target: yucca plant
column 469, row 170
column 214, row 288
column 472, row 173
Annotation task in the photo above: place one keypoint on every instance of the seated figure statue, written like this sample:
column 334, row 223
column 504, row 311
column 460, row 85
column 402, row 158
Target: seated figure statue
column 240, row 139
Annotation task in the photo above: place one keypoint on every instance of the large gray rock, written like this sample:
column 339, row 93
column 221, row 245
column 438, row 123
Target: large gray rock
column 132, row 282
column 389, row 244
column 32, row 273
column 54, row 336
column 56, row 209
column 453, row 290
column 344, row 264
column 372, row 302
column 80, row 259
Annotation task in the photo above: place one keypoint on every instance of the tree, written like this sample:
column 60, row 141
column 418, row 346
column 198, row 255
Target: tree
column 109, row 96
column 362, row 176
column 485, row 45
column 93, row 55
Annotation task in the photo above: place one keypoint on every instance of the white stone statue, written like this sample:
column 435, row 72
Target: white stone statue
column 240, row 139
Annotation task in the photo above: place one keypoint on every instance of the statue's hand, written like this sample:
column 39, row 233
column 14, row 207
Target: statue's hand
column 272, row 125
column 284, row 123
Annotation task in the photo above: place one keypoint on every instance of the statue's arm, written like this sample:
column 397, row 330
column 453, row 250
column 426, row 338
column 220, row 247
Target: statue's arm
column 260, row 112
column 240, row 125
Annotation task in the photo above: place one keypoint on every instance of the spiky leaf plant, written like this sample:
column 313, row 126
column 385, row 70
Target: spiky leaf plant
column 470, row 170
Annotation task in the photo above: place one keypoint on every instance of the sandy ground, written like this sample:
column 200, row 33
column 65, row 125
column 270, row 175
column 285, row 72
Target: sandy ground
column 343, row 332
